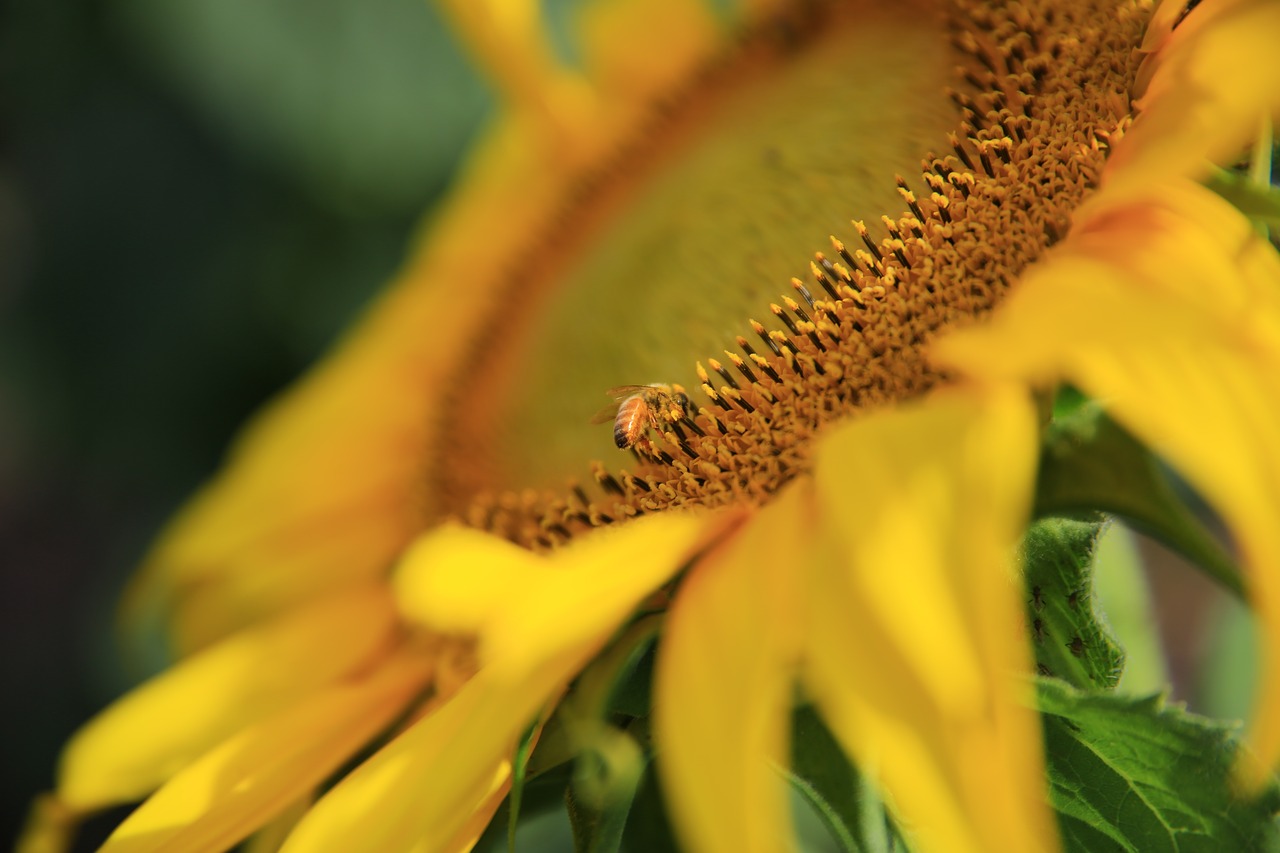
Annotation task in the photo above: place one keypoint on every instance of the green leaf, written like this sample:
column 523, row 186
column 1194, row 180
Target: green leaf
column 1069, row 638
column 1090, row 463
column 632, row 689
column 648, row 828
column 848, row 806
column 1137, row 775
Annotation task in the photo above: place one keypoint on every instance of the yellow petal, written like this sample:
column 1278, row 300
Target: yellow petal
column 507, row 39
column 271, row 836
column 523, row 606
column 1179, row 336
column 280, row 570
column 427, row 786
column 239, row 785
column 49, row 828
column 1209, row 85
column 424, row 787
column 465, row 838
column 724, row 684
column 618, row 39
column 917, row 651
column 430, row 590
column 593, row 586
column 317, row 495
column 145, row 737
column 1167, row 13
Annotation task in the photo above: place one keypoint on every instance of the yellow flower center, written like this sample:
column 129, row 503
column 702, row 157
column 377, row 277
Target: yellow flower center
column 980, row 127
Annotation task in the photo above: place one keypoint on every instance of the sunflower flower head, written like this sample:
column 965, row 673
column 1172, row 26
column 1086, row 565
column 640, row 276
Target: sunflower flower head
column 828, row 260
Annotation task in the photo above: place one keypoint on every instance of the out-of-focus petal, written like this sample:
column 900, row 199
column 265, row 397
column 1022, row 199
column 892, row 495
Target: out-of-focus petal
column 427, row 785
column 250, row 544
column 617, row 46
column 917, row 650
column 1167, row 13
column 270, row 838
column 238, row 786
column 145, row 737
column 49, row 827
column 1203, row 94
column 424, row 786
column 593, row 585
column 523, row 605
column 466, row 837
column 430, row 590
column 507, row 38
column 724, row 684
column 1167, row 309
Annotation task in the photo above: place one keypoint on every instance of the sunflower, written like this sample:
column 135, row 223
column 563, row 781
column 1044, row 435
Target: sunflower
column 424, row 574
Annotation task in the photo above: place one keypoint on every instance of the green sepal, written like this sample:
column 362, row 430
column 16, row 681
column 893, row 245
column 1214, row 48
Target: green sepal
column 542, row 797
column 519, row 769
column 1088, row 463
column 1069, row 637
column 606, row 777
column 1139, row 775
column 609, row 762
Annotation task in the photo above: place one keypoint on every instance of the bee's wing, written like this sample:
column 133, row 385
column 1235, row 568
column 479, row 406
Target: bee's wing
column 606, row 414
column 618, row 393
column 622, row 391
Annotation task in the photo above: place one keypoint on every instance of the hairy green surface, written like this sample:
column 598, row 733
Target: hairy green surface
column 1069, row 637
column 1142, row 776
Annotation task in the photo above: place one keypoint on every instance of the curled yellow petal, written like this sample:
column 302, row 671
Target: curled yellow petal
column 592, row 587
column 724, row 684
column 916, row 648
column 145, row 737
column 239, row 785
column 430, row 590
column 1204, row 91
column 523, row 605
column 1179, row 336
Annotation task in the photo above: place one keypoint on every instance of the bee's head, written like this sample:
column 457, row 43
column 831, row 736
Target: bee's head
column 683, row 408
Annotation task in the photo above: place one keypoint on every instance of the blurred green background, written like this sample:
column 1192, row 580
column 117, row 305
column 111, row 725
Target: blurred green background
column 195, row 197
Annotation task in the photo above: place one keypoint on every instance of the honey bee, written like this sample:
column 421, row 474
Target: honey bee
column 640, row 407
